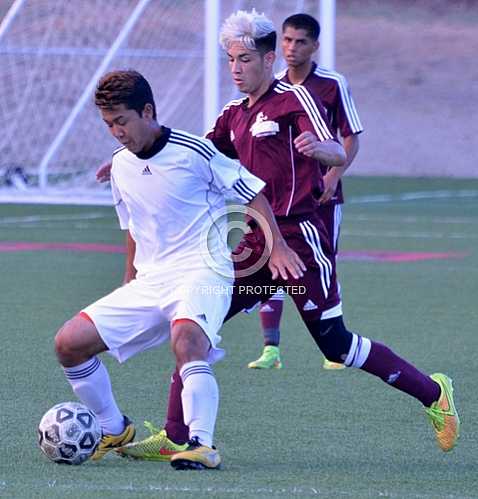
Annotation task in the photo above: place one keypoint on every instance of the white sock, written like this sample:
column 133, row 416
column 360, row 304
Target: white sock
column 359, row 350
column 200, row 397
column 91, row 383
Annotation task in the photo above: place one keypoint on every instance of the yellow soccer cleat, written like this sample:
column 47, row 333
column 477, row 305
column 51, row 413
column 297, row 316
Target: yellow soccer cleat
column 443, row 414
column 197, row 457
column 157, row 447
column 270, row 359
column 331, row 366
column 110, row 442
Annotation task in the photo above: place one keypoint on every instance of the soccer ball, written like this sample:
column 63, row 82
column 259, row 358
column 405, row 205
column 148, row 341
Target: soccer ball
column 69, row 433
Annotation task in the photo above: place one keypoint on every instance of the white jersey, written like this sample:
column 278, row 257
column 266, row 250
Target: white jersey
column 167, row 197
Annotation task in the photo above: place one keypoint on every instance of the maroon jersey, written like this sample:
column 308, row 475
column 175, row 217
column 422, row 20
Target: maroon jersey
column 333, row 91
column 262, row 138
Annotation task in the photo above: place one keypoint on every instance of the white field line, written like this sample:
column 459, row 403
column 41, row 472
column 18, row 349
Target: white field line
column 412, row 196
column 412, row 219
column 52, row 218
column 72, row 226
column 400, row 234
column 301, row 491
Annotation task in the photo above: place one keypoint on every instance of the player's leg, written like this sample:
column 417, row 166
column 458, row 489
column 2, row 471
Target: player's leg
column 340, row 345
column 199, row 396
column 77, row 343
column 175, row 428
column 331, row 216
column 270, row 314
column 435, row 392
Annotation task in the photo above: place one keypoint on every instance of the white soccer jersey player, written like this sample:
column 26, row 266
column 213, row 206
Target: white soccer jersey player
column 165, row 199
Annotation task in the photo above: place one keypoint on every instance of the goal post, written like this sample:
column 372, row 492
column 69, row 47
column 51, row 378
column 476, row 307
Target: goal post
column 87, row 92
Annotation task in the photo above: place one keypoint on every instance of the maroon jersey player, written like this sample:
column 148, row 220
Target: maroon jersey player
column 249, row 39
column 300, row 41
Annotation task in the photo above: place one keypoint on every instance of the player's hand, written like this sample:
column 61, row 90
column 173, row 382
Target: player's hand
column 103, row 174
column 307, row 144
column 331, row 181
column 284, row 261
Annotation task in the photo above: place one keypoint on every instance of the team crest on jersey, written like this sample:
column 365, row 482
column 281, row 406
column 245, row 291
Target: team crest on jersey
column 263, row 126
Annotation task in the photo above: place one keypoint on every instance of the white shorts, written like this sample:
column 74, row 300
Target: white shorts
column 138, row 315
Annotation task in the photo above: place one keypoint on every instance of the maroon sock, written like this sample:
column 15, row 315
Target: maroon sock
column 397, row 372
column 177, row 431
column 270, row 314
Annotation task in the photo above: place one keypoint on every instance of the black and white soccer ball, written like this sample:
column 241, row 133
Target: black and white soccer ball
column 69, row 433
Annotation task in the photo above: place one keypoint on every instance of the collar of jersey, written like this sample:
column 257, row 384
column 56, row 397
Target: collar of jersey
column 262, row 97
column 311, row 72
column 157, row 146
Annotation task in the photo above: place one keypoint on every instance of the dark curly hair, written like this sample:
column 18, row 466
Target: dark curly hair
column 126, row 87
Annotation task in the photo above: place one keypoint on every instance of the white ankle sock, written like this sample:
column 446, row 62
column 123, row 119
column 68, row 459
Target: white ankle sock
column 200, row 397
column 91, row 383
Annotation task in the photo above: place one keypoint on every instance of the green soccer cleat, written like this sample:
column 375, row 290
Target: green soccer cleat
column 270, row 359
column 196, row 457
column 157, row 447
column 443, row 414
column 332, row 366
column 110, row 442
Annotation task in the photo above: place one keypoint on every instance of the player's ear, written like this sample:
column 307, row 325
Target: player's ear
column 269, row 59
column 316, row 45
column 148, row 111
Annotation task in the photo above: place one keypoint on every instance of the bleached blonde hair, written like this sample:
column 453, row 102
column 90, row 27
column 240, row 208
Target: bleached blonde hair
column 245, row 27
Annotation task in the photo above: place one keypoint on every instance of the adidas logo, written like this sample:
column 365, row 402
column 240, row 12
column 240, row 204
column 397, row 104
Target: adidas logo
column 146, row 171
column 393, row 377
column 310, row 305
column 267, row 308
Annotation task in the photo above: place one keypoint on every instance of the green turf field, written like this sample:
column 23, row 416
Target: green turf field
column 299, row 432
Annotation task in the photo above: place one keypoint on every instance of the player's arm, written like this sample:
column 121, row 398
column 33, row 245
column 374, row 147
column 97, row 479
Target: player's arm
column 332, row 177
column 282, row 261
column 103, row 174
column 123, row 217
column 349, row 125
column 130, row 270
column 328, row 152
column 220, row 135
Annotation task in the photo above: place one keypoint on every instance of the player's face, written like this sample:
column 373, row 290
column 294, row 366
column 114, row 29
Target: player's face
column 297, row 46
column 250, row 71
column 128, row 127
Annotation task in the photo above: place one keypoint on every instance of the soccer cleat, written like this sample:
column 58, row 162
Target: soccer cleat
column 110, row 442
column 157, row 447
column 196, row 457
column 443, row 414
column 331, row 366
column 270, row 359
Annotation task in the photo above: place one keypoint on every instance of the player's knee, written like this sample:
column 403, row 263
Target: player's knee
column 189, row 342
column 333, row 338
column 69, row 347
column 64, row 344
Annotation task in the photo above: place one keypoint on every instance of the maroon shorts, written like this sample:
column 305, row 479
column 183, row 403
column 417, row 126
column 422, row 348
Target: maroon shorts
column 313, row 293
column 331, row 216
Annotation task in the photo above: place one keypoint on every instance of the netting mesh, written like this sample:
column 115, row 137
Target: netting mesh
column 52, row 49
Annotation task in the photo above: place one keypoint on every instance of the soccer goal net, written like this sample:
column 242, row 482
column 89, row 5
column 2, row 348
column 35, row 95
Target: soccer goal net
column 51, row 54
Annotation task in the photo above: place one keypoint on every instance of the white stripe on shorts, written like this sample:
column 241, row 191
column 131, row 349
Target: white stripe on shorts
column 311, row 236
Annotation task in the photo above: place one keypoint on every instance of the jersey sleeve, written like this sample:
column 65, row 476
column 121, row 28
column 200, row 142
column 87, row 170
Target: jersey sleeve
column 120, row 207
column 348, row 121
column 233, row 180
column 220, row 135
